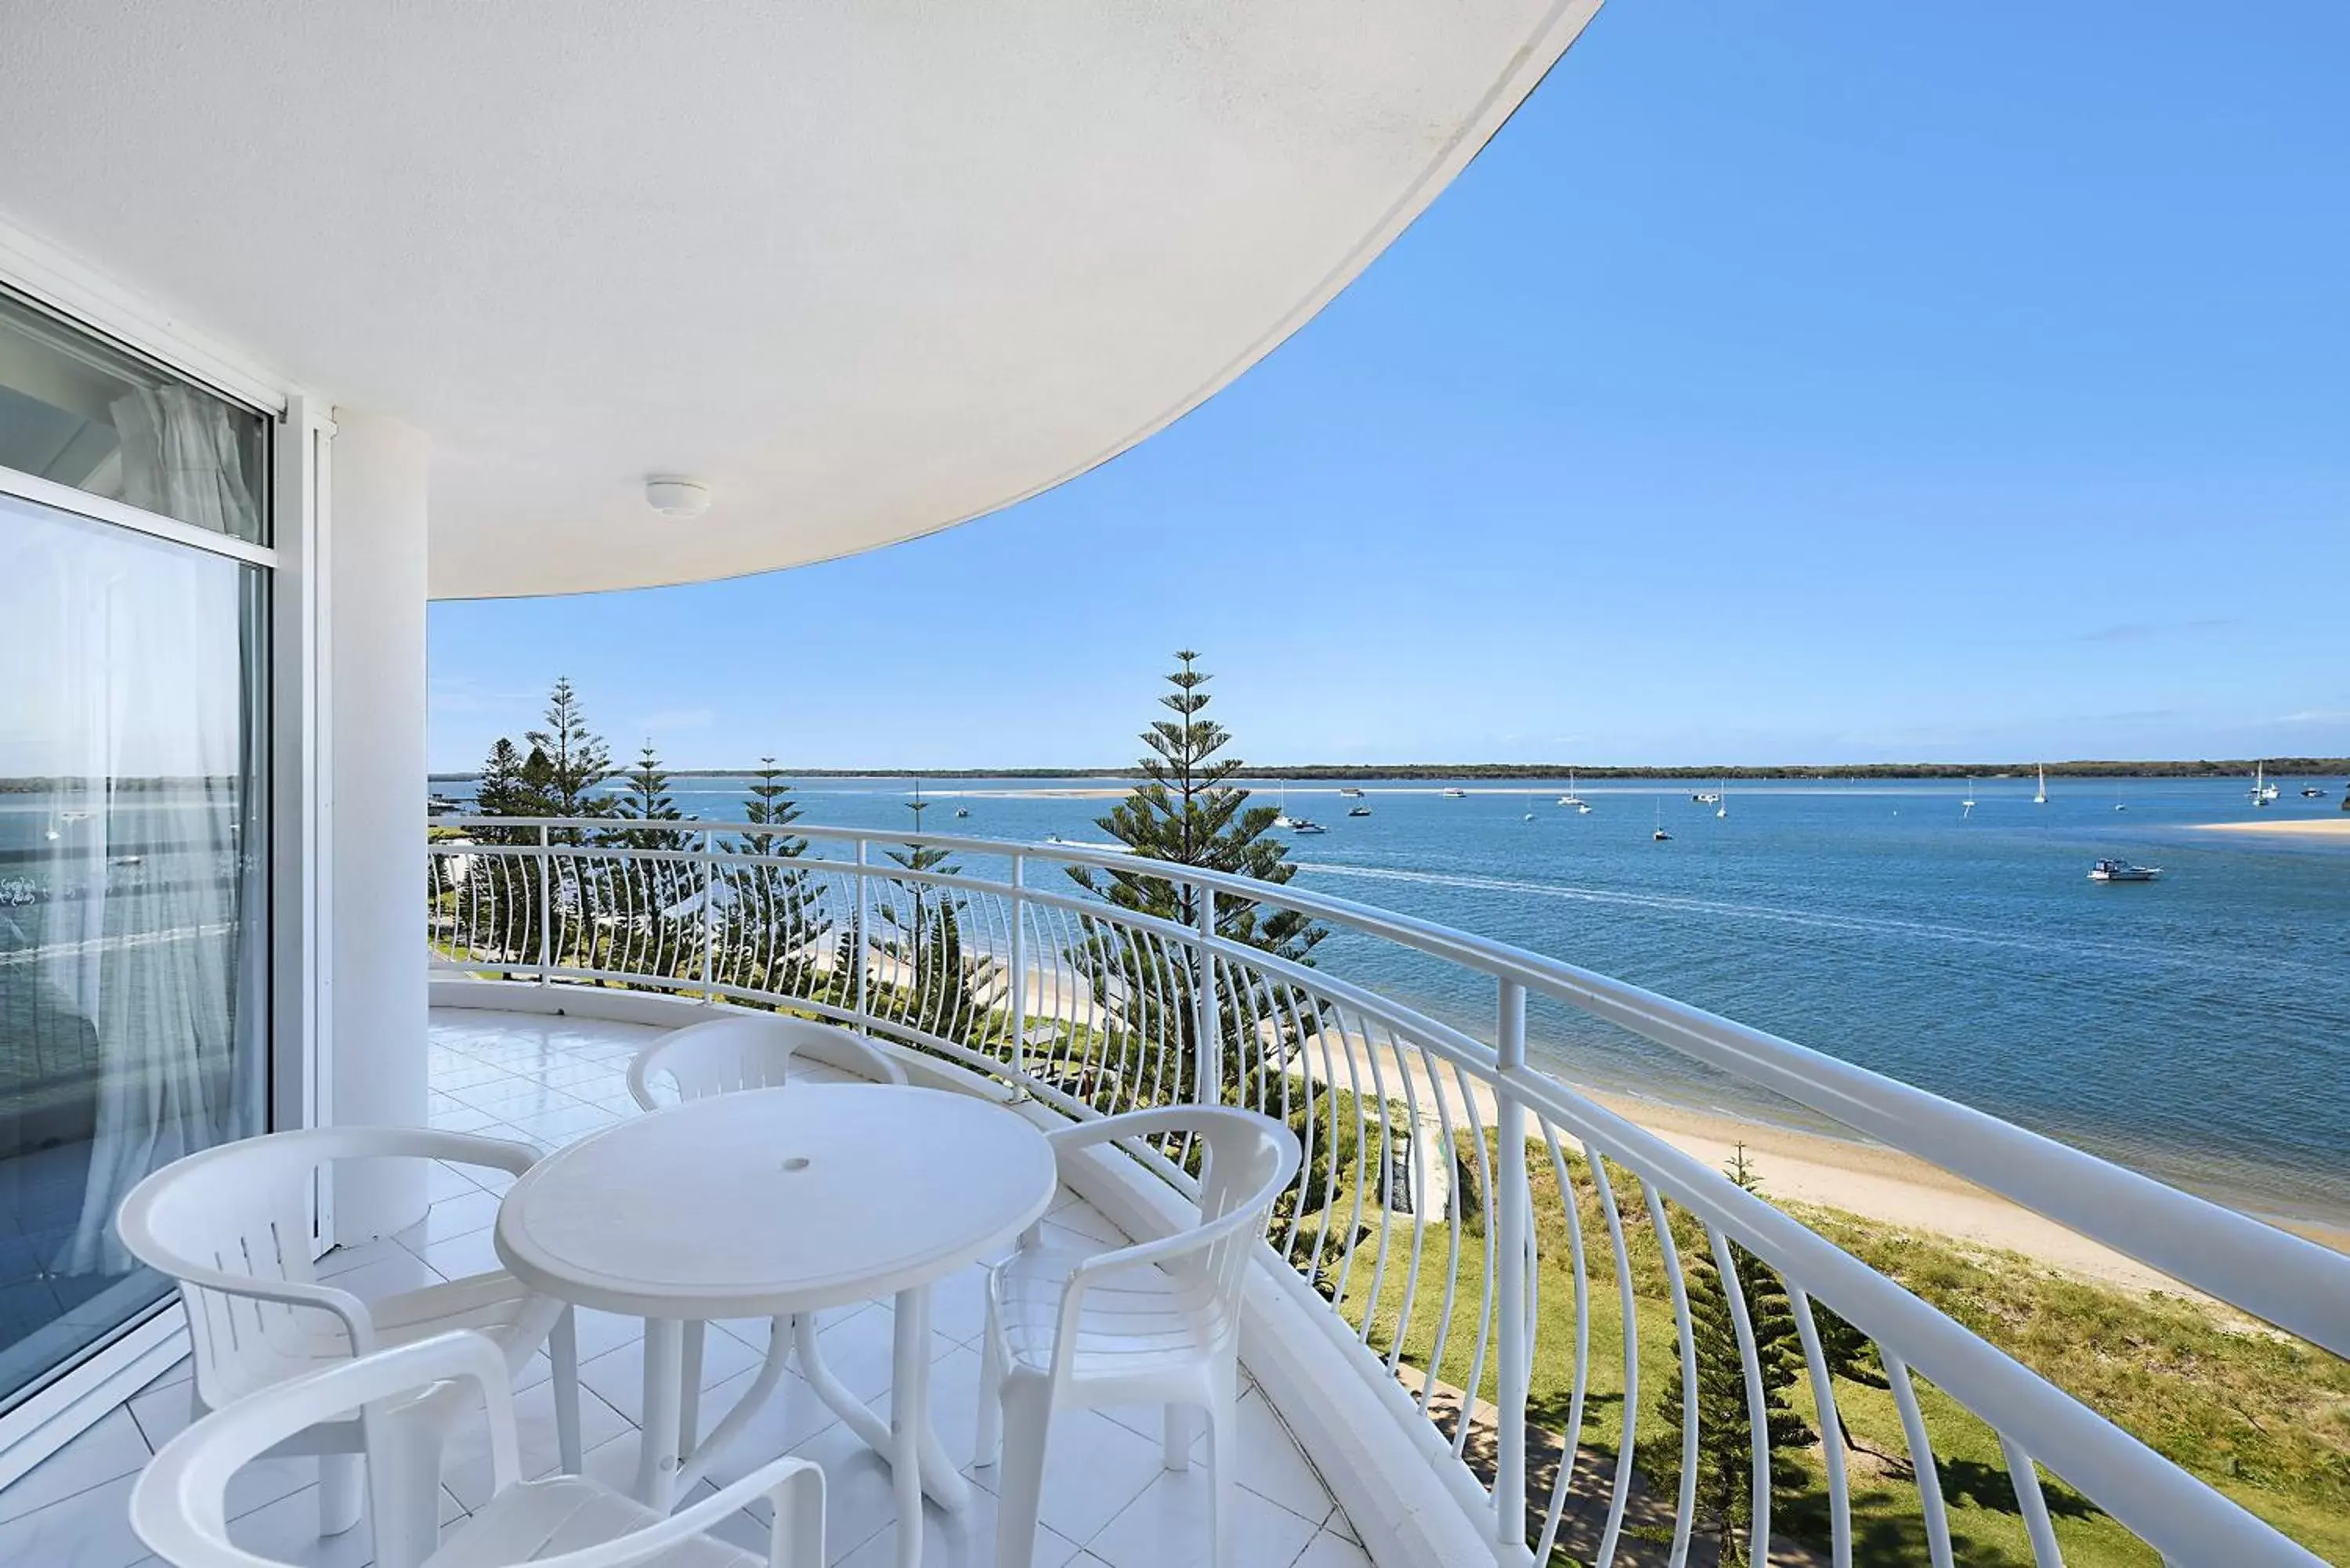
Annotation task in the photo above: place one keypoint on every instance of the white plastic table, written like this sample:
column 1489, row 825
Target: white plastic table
column 769, row 1202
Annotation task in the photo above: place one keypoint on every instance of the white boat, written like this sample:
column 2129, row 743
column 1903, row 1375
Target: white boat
column 1721, row 802
column 1661, row 835
column 2122, row 871
column 1456, row 795
column 1304, row 824
column 1707, row 797
column 1360, row 811
column 2041, row 797
column 962, row 811
column 1351, row 792
column 2263, row 792
column 2312, row 793
column 1571, row 800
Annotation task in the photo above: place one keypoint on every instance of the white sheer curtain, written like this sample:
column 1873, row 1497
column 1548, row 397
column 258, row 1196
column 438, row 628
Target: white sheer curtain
column 180, row 458
column 144, row 688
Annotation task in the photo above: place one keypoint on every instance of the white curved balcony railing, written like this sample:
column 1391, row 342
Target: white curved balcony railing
column 1092, row 1009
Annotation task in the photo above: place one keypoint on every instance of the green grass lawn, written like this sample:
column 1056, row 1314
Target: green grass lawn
column 2261, row 1418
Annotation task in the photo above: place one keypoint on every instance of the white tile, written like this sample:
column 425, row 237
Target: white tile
column 454, row 1259
column 112, row 1449
column 287, row 1532
column 163, row 1413
column 463, row 1119
column 958, row 1305
column 964, row 1540
column 1171, row 1526
column 443, row 1181
column 1088, row 1221
column 1093, row 1469
column 1270, row 1465
column 618, row 1376
column 858, row 1498
column 344, row 1260
column 859, row 1351
column 465, row 1461
column 452, row 1218
column 599, row 1331
column 954, row 1404
column 180, row 1371
column 564, row 1123
column 791, row 1416
column 393, row 1274
column 89, row 1530
column 1327, row 1549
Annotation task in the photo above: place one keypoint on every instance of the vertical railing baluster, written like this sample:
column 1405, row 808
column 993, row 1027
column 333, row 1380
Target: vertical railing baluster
column 1019, row 977
column 546, row 906
column 1207, row 1023
column 709, row 910
column 863, row 1014
column 1515, row 1225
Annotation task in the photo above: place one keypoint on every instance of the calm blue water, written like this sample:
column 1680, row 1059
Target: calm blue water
column 2198, row 1028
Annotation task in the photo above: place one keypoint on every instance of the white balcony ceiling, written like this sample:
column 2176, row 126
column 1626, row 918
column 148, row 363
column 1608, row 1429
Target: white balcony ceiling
column 868, row 269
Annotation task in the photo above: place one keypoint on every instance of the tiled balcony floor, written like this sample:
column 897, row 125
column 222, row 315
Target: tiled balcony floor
column 1107, row 1501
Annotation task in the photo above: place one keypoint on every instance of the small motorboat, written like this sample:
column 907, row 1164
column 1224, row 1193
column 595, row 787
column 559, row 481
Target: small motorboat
column 1350, row 792
column 2313, row 793
column 1456, row 795
column 2122, row 871
column 962, row 811
column 1360, row 811
column 1707, row 797
column 1303, row 824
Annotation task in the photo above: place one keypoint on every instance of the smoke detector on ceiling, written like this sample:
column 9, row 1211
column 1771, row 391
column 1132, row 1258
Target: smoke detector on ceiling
column 674, row 496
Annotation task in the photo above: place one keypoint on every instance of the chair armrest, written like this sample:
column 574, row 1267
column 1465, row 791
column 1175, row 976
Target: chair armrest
column 356, row 1319
column 1166, row 1247
column 510, row 1155
column 796, row 1538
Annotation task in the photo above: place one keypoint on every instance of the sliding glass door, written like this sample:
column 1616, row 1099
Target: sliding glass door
column 134, row 822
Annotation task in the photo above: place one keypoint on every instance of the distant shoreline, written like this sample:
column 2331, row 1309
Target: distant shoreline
column 2278, row 767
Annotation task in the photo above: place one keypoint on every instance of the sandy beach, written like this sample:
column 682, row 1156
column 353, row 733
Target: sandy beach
column 2335, row 827
column 1793, row 1166
column 1802, row 1168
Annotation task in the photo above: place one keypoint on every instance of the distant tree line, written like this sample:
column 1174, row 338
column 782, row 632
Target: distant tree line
column 2223, row 767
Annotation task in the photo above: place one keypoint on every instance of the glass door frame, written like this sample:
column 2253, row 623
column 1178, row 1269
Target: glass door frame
column 295, row 716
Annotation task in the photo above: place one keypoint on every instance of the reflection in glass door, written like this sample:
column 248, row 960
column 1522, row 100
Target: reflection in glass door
column 133, row 926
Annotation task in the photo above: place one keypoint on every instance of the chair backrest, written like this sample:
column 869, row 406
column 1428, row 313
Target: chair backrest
column 1247, row 1161
column 179, row 1505
column 244, row 1209
column 750, row 1050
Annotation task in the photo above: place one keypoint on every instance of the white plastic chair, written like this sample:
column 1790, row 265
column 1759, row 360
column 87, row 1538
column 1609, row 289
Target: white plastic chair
column 178, row 1509
column 1153, row 1323
column 750, row 1050
column 232, row 1225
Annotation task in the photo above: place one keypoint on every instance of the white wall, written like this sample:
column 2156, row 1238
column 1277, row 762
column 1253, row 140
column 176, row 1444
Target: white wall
column 374, row 1001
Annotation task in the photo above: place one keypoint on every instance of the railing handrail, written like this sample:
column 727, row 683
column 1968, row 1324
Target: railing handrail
column 2270, row 1273
column 2034, row 1419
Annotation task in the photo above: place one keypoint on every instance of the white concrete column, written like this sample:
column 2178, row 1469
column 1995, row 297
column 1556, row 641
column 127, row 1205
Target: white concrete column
column 374, row 943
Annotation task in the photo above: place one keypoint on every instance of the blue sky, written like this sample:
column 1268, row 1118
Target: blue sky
column 1822, row 382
